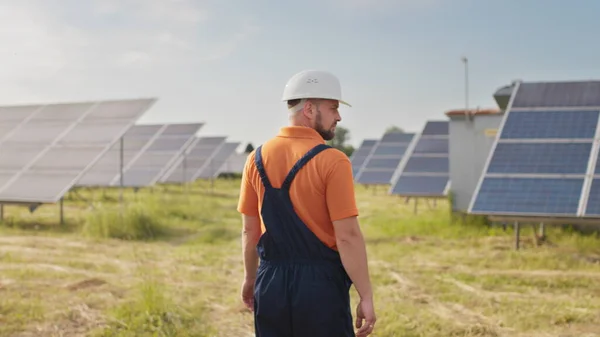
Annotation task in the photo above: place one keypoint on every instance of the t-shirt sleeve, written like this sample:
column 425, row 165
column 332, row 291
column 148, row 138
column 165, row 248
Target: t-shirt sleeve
column 341, row 201
column 248, row 201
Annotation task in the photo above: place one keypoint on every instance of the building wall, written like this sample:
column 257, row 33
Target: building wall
column 469, row 147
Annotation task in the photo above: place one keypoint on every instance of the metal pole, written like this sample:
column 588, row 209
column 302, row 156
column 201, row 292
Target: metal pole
column 212, row 175
column 466, row 62
column 121, row 179
column 184, row 181
column 121, row 164
column 62, row 215
column 517, row 235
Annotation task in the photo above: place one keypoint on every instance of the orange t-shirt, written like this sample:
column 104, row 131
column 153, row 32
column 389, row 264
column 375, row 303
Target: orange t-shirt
column 321, row 192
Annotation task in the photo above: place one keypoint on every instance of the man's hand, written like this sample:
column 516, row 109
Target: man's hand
column 248, row 294
column 365, row 312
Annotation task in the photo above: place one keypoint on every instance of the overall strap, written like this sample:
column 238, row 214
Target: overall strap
column 260, row 167
column 300, row 163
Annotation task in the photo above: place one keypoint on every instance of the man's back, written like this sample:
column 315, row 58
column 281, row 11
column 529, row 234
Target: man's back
column 322, row 192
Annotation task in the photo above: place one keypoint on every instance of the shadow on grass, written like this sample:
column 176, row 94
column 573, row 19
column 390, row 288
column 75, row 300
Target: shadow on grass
column 37, row 225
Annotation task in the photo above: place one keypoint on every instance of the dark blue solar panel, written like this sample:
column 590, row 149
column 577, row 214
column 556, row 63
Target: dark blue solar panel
column 364, row 149
column 593, row 203
column 558, row 94
column 357, row 165
column 389, row 149
column 358, row 160
column 431, row 146
column 362, row 152
column 426, row 186
column 375, row 177
column 439, row 128
column 427, row 164
column 397, row 137
column 528, row 196
column 550, row 124
column 390, row 163
column 355, row 170
column 566, row 158
column 368, row 142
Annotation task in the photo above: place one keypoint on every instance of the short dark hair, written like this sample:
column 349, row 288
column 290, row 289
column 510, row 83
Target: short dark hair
column 293, row 102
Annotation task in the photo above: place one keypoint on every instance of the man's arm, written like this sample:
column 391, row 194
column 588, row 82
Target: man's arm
column 251, row 229
column 250, row 235
column 351, row 246
column 341, row 203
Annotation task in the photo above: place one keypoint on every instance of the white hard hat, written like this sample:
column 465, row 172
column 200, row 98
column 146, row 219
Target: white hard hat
column 313, row 84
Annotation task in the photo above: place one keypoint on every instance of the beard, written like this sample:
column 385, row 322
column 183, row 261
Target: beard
column 327, row 134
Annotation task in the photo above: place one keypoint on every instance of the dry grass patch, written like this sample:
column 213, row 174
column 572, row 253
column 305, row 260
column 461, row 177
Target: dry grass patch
column 168, row 263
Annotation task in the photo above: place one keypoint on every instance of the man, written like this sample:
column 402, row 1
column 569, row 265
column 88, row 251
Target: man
column 300, row 219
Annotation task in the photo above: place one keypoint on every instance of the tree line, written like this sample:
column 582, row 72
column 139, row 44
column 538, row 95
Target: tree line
column 340, row 141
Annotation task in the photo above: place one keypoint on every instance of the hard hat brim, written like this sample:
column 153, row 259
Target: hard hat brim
column 303, row 97
column 344, row 102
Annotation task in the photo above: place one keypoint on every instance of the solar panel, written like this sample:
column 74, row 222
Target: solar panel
column 194, row 159
column 161, row 152
column 383, row 160
column 360, row 155
column 107, row 169
column 425, row 171
column 148, row 151
column 17, row 114
column 49, row 147
column 544, row 160
column 235, row 163
column 216, row 162
column 558, row 94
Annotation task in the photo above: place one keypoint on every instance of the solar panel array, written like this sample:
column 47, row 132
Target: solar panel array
column 425, row 172
column 235, row 163
column 160, row 154
column 544, row 162
column 216, row 162
column 194, row 160
column 45, row 149
column 107, row 169
column 359, row 156
column 148, row 150
column 383, row 160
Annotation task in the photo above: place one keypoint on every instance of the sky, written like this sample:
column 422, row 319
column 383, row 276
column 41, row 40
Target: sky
column 225, row 62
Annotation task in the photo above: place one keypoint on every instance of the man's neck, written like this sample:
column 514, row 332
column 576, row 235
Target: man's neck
column 296, row 121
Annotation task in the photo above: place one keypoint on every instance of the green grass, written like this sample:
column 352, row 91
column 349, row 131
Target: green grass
column 168, row 263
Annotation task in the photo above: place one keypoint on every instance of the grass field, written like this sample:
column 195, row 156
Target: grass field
column 169, row 264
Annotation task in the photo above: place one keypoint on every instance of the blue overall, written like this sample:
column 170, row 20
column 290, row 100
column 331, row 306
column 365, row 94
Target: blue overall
column 301, row 289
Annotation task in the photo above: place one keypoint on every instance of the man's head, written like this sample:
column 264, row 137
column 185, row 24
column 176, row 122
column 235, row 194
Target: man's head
column 320, row 114
column 313, row 99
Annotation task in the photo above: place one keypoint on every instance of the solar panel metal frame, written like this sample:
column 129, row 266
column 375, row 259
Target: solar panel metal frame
column 365, row 165
column 410, row 152
column 165, row 178
column 588, row 177
column 161, row 133
column 70, row 125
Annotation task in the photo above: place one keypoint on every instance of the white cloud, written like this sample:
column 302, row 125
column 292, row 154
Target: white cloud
column 54, row 49
column 180, row 11
column 384, row 5
column 228, row 46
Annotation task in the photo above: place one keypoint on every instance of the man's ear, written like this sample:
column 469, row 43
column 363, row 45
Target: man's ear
column 308, row 109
